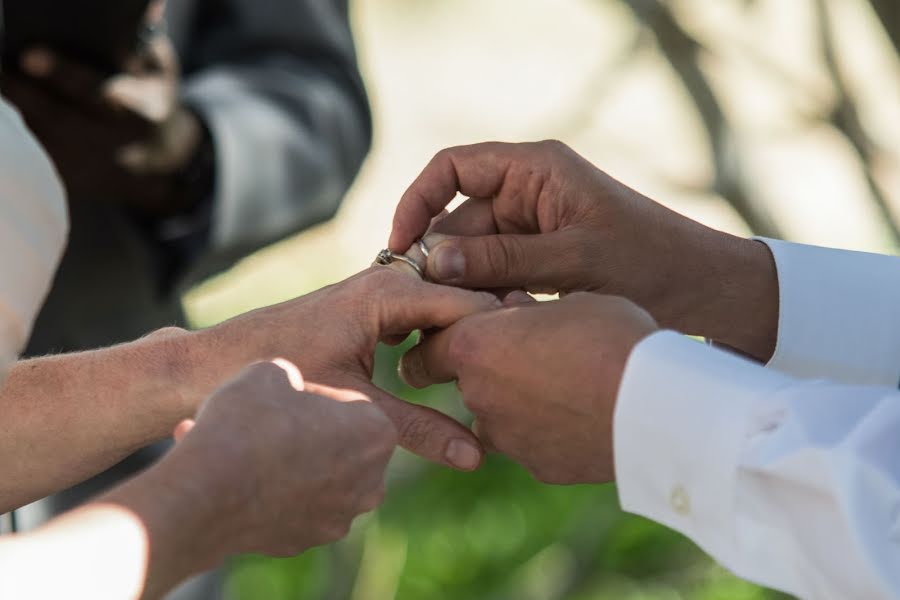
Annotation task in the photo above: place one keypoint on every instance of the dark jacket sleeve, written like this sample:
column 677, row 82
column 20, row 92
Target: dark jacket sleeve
column 277, row 85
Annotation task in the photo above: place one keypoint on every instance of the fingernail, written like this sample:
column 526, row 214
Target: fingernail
column 517, row 297
column 463, row 455
column 448, row 262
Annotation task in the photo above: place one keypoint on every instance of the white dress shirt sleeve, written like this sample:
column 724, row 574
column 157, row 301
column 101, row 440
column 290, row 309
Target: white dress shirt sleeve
column 794, row 484
column 33, row 228
column 839, row 315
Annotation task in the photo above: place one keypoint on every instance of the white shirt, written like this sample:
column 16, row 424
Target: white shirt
column 33, row 228
column 789, row 474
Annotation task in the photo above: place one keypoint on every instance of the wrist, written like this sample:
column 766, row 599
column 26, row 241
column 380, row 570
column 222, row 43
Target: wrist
column 742, row 298
column 210, row 357
column 185, row 528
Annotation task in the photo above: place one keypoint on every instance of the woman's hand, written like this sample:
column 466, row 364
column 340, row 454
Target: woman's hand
column 331, row 335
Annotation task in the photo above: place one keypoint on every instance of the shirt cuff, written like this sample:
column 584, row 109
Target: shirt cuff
column 838, row 316
column 680, row 426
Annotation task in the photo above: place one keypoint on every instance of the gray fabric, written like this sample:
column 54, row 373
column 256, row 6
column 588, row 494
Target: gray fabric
column 277, row 84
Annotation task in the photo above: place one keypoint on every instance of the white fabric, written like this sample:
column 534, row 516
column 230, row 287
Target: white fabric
column 33, row 228
column 789, row 481
column 839, row 314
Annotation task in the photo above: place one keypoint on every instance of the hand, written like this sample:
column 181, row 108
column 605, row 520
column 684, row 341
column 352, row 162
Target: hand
column 540, row 378
column 543, row 219
column 125, row 138
column 287, row 465
column 332, row 335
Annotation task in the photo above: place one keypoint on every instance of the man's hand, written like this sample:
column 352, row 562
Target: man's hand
column 541, row 379
column 122, row 138
column 543, row 219
column 332, row 335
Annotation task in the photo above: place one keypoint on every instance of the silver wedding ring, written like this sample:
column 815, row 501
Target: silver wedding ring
column 388, row 256
column 424, row 249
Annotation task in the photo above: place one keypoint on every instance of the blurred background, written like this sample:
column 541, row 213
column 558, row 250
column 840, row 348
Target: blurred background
column 771, row 117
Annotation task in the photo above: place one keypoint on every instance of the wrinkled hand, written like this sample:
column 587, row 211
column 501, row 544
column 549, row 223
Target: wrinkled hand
column 543, row 219
column 332, row 335
column 114, row 139
column 283, row 465
column 540, row 378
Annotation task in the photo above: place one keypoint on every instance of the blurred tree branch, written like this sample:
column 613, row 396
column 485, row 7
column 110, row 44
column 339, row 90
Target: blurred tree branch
column 682, row 53
column 888, row 12
column 845, row 118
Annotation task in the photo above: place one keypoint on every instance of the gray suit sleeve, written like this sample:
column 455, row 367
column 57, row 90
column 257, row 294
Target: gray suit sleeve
column 277, row 84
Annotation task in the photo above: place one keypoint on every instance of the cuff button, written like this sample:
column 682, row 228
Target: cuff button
column 680, row 501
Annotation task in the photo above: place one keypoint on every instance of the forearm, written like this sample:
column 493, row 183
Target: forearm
column 77, row 414
column 138, row 541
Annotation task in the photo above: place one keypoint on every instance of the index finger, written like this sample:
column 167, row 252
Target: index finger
column 405, row 304
column 477, row 170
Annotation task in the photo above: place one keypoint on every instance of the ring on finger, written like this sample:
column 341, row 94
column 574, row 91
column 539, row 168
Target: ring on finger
column 387, row 257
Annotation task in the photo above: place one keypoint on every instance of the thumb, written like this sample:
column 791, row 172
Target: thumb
column 544, row 262
column 182, row 429
column 429, row 433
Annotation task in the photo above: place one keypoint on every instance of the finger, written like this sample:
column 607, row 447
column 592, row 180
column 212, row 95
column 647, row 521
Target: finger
column 410, row 304
column 68, row 79
column 518, row 298
column 156, row 12
column 478, row 171
column 430, row 434
column 481, row 432
column 475, row 216
column 429, row 363
column 182, row 429
column 541, row 262
column 434, row 222
column 150, row 97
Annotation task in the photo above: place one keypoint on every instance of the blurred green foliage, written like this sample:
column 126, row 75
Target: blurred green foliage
column 496, row 534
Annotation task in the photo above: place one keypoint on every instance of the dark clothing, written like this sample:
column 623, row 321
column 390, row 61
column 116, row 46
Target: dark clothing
column 277, row 86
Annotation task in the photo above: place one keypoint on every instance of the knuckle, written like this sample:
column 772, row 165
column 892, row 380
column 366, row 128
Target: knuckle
column 443, row 155
column 373, row 500
column 480, row 404
column 553, row 144
column 502, row 255
column 336, row 530
column 377, row 279
column 415, row 432
column 556, row 148
column 465, row 346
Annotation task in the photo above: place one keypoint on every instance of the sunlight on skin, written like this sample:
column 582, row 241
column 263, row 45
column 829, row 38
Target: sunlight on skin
column 99, row 538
